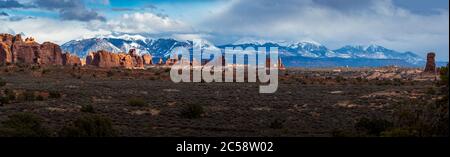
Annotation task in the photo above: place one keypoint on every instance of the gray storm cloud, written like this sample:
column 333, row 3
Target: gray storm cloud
column 335, row 23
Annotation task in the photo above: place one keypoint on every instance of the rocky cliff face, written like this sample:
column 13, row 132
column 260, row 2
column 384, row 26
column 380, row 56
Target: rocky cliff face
column 147, row 58
column 68, row 59
column 14, row 50
column 105, row 59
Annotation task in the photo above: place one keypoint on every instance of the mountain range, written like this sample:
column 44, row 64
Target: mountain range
column 302, row 54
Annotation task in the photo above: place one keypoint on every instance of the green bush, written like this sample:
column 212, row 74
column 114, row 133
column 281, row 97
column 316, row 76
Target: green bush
column 431, row 91
column 10, row 94
column 29, row 96
column 444, row 73
column 373, row 126
column 192, row 111
column 277, row 124
column 2, row 82
column 342, row 133
column 340, row 79
column 137, row 102
column 110, row 73
column 4, row 100
column 40, row 98
column 23, row 125
column 45, row 71
column 54, row 95
column 87, row 109
column 89, row 126
column 398, row 132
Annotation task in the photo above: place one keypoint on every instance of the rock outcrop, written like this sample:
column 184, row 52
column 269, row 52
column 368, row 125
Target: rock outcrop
column 6, row 44
column 14, row 50
column 137, row 60
column 147, row 59
column 105, row 59
column 430, row 67
column 69, row 59
column 280, row 64
column 160, row 62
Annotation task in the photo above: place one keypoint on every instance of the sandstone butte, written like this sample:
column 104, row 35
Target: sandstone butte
column 107, row 59
column 15, row 50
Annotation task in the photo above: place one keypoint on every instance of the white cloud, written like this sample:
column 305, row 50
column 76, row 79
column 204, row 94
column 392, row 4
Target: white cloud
column 190, row 36
column 378, row 22
column 146, row 23
column 45, row 29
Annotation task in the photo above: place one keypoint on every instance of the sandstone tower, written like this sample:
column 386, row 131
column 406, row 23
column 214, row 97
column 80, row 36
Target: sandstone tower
column 431, row 64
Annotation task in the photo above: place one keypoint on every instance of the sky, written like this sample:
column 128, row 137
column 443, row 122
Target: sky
column 420, row 26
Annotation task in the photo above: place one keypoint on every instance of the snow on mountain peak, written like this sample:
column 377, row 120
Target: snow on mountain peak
column 163, row 46
column 250, row 41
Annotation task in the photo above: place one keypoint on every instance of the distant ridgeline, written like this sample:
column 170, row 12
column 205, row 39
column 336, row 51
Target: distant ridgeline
column 293, row 54
column 137, row 51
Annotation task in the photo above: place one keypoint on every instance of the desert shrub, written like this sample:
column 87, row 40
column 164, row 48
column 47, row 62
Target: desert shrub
column 153, row 78
column 192, row 111
column 89, row 126
column 342, row 133
column 110, row 73
column 10, row 94
column 443, row 71
column 424, row 119
column 40, row 98
column 137, row 102
column 127, row 73
column 35, row 67
column 29, row 96
column 23, row 125
column 45, row 71
column 431, row 91
column 398, row 132
column 87, row 109
column 4, row 100
column 54, row 94
column 340, row 79
column 277, row 124
column 397, row 82
column 373, row 126
column 359, row 79
column 2, row 82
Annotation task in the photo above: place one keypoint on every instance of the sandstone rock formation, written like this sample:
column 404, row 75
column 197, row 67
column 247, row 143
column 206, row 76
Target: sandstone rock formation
column 147, row 59
column 68, row 59
column 136, row 60
column 17, row 51
column 6, row 43
column 105, row 59
column 160, row 61
column 430, row 67
column 89, row 58
column 280, row 64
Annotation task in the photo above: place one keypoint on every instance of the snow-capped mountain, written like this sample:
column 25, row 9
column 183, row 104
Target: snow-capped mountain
column 311, row 49
column 305, row 49
column 83, row 47
column 377, row 52
column 156, row 47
